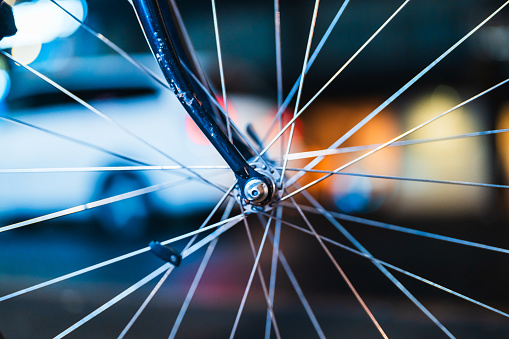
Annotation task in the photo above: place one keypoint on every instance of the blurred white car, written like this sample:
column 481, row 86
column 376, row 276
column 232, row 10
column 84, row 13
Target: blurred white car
column 117, row 89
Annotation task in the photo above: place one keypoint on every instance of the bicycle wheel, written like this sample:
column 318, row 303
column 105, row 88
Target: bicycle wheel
column 329, row 259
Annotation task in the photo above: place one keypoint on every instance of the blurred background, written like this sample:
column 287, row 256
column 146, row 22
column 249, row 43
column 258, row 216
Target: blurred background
column 54, row 44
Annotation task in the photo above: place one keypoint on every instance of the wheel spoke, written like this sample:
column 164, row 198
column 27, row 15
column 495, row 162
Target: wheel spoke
column 311, row 165
column 104, row 116
column 279, row 64
column 299, row 93
column 279, row 81
column 73, row 140
column 294, row 282
column 94, row 204
column 405, row 272
column 145, row 302
column 298, row 112
column 90, row 205
column 382, row 269
column 248, row 287
column 370, row 116
column 130, row 290
column 228, row 224
column 317, row 50
column 340, row 270
column 116, row 48
column 221, row 72
column 273, row 269
column 407, row 230
column 314, row 154
column 270, row 309
column 198, row 275
column 449, row 182
column 107, row 169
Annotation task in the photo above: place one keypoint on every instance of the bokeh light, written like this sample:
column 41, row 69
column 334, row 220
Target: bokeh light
column 5, row 84
column 40, row 22
column 26, row 53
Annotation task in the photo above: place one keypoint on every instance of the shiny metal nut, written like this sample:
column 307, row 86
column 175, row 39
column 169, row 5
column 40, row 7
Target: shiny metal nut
column 256, row 190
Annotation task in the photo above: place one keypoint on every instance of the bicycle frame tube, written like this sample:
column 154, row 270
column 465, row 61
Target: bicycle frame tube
column 163, row 36
column 169, row 46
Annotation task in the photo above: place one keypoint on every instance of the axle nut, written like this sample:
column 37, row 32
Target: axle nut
column 256, row 190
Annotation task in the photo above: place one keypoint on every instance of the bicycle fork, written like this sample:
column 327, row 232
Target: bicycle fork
column 167, row 38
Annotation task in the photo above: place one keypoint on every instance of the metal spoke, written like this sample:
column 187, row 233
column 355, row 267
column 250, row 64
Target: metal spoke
column 340, row 270
column 386, row 264
column 221, row 72
column 395, row 95
column 279, row 66
column 94, row 204
column 449, row 182
column 104, row 116
column 382, row 269
column 76, row 141
column 392, row 227
column 299, row 93
column 260, row 273
column 145, row 303
column 279, row 80
column 292, row 180
column 144, row 281
column 198, row 275
column 248, row 287
column 314, row 154
column 273, row 269
column 107, row 169
column 163, row 279
column 301, row 296
column 294, row 282
column 228, row 224
column 90, row 205
column 116, row 48
column 299, row 112
column 317, row 50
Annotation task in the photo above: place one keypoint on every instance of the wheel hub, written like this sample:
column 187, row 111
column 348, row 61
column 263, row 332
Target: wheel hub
column 260, row 193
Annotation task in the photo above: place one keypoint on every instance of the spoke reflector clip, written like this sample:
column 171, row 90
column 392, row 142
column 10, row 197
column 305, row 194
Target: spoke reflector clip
column 165, row 253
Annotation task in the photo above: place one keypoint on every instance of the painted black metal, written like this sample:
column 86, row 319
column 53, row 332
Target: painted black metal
column 165, row 253
column 158, row 21
column 7, row 25
column 187, row 57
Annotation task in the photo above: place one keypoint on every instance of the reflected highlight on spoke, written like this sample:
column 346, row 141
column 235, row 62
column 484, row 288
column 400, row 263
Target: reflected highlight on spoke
column 449, row 182
column 373, row 259
column 292, row 180
column 380, row 267
column 325, row 152
column 300, row 111
column 104, row 116
column 299, row 93
column 370, row 116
